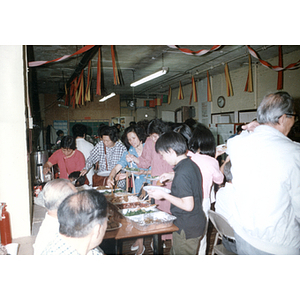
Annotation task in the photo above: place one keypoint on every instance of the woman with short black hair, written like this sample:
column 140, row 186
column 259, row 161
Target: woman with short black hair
column 107, row 152
column 68, row 158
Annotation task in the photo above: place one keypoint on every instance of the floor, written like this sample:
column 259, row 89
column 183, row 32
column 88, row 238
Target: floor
column 25, row 243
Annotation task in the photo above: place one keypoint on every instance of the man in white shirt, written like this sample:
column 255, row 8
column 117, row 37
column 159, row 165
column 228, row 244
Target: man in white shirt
column 54, row 192
column 266, row 176
column 79, row 133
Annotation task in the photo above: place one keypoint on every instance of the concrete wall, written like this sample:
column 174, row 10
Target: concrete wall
column 14, row 159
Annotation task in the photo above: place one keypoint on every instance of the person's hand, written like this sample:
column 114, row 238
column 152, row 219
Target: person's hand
column 156, row 193
column 166, row 176
column 220, row 151
column 110, row 182
column 46, row 169
column 129, row 157
column 250, row 126
column 83, row 172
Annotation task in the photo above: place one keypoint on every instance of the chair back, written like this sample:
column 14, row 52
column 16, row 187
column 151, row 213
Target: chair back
column 221, row 224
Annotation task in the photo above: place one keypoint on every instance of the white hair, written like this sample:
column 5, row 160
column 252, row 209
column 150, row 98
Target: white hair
column 55, row 191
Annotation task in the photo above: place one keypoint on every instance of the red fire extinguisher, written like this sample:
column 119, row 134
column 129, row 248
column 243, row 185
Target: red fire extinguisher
column 4, row 225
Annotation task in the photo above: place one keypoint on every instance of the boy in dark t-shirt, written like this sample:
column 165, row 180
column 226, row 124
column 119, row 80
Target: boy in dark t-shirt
column 185, row 196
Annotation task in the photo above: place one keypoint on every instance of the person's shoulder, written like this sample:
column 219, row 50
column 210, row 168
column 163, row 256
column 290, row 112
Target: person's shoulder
column 78, row 152
column 121, row 145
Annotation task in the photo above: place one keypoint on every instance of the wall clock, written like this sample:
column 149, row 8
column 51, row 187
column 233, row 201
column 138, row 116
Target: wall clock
column 221, row 101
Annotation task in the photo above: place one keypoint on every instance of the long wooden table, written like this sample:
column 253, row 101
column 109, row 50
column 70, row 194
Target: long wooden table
column 127, row 231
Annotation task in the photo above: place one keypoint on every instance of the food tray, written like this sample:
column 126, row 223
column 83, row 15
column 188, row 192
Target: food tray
column 128, row 198
column 147, row 210
column 152, row 221
column 132, row 205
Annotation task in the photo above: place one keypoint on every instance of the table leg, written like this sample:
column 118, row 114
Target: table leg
column 157, row 245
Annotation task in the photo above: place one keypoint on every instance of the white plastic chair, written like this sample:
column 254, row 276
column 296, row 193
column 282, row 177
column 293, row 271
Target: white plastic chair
column 223, row 229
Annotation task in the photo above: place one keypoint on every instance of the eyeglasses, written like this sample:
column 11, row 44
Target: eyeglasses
column 293, row 115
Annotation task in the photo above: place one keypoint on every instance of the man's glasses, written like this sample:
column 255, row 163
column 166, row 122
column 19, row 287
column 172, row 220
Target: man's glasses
column 293, row 115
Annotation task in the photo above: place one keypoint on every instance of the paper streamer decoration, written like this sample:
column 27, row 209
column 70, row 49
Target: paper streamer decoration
column 208, row 88
column 197, row 53
column 87, row 96
column 98, row 89
column 228, row 81
column 249, row 82
column 180, row 93
column 292, row 66
column 115, row 70
column 194, row 89
column 169, row 95
column 43, row 62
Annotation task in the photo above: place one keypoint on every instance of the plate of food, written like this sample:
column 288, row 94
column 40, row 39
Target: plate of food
column 112, row 224
column 138, row 211
column 132, row 170
column 222, row 147
column 152, row 178
column 155, row 187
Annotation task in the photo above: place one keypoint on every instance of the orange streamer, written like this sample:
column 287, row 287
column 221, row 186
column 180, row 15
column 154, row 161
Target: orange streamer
column 249, row 83
column 228, row 81
column 208, row 88
column 98, row 90
column 180, row 93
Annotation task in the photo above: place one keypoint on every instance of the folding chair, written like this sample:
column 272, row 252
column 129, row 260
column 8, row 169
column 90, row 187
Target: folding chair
column 223, row 230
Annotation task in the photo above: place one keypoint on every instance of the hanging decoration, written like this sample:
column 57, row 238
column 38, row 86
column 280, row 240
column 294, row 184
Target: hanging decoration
column 280, row 73
column 98, row 89
column 67, row 95
column 72, row 96
column 228, row 81
column 276, row 68
column 40, row 63
column 194, row 89
column 169, row 95
column 87, row 96
column 151, row 103
column 180, row 93
column 164, row 98
column 191, row 96
column 209, row 99
column 116, row 75
column 81, row 90
column 249, row 82
column 158, row 101
column 197, row 53
column 78, row 89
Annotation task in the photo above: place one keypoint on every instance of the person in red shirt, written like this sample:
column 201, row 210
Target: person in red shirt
column 68, row 158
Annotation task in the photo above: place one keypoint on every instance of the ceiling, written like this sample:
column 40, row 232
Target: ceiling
column 135, row 62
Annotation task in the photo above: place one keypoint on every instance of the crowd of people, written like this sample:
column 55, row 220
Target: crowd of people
column 257, row 182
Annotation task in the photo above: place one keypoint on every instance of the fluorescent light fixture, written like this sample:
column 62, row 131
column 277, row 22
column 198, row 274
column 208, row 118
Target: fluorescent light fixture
column 107, row 97
column 150, row 77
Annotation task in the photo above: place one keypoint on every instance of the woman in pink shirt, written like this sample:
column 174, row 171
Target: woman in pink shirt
column 150, row 158
column 68, row 158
